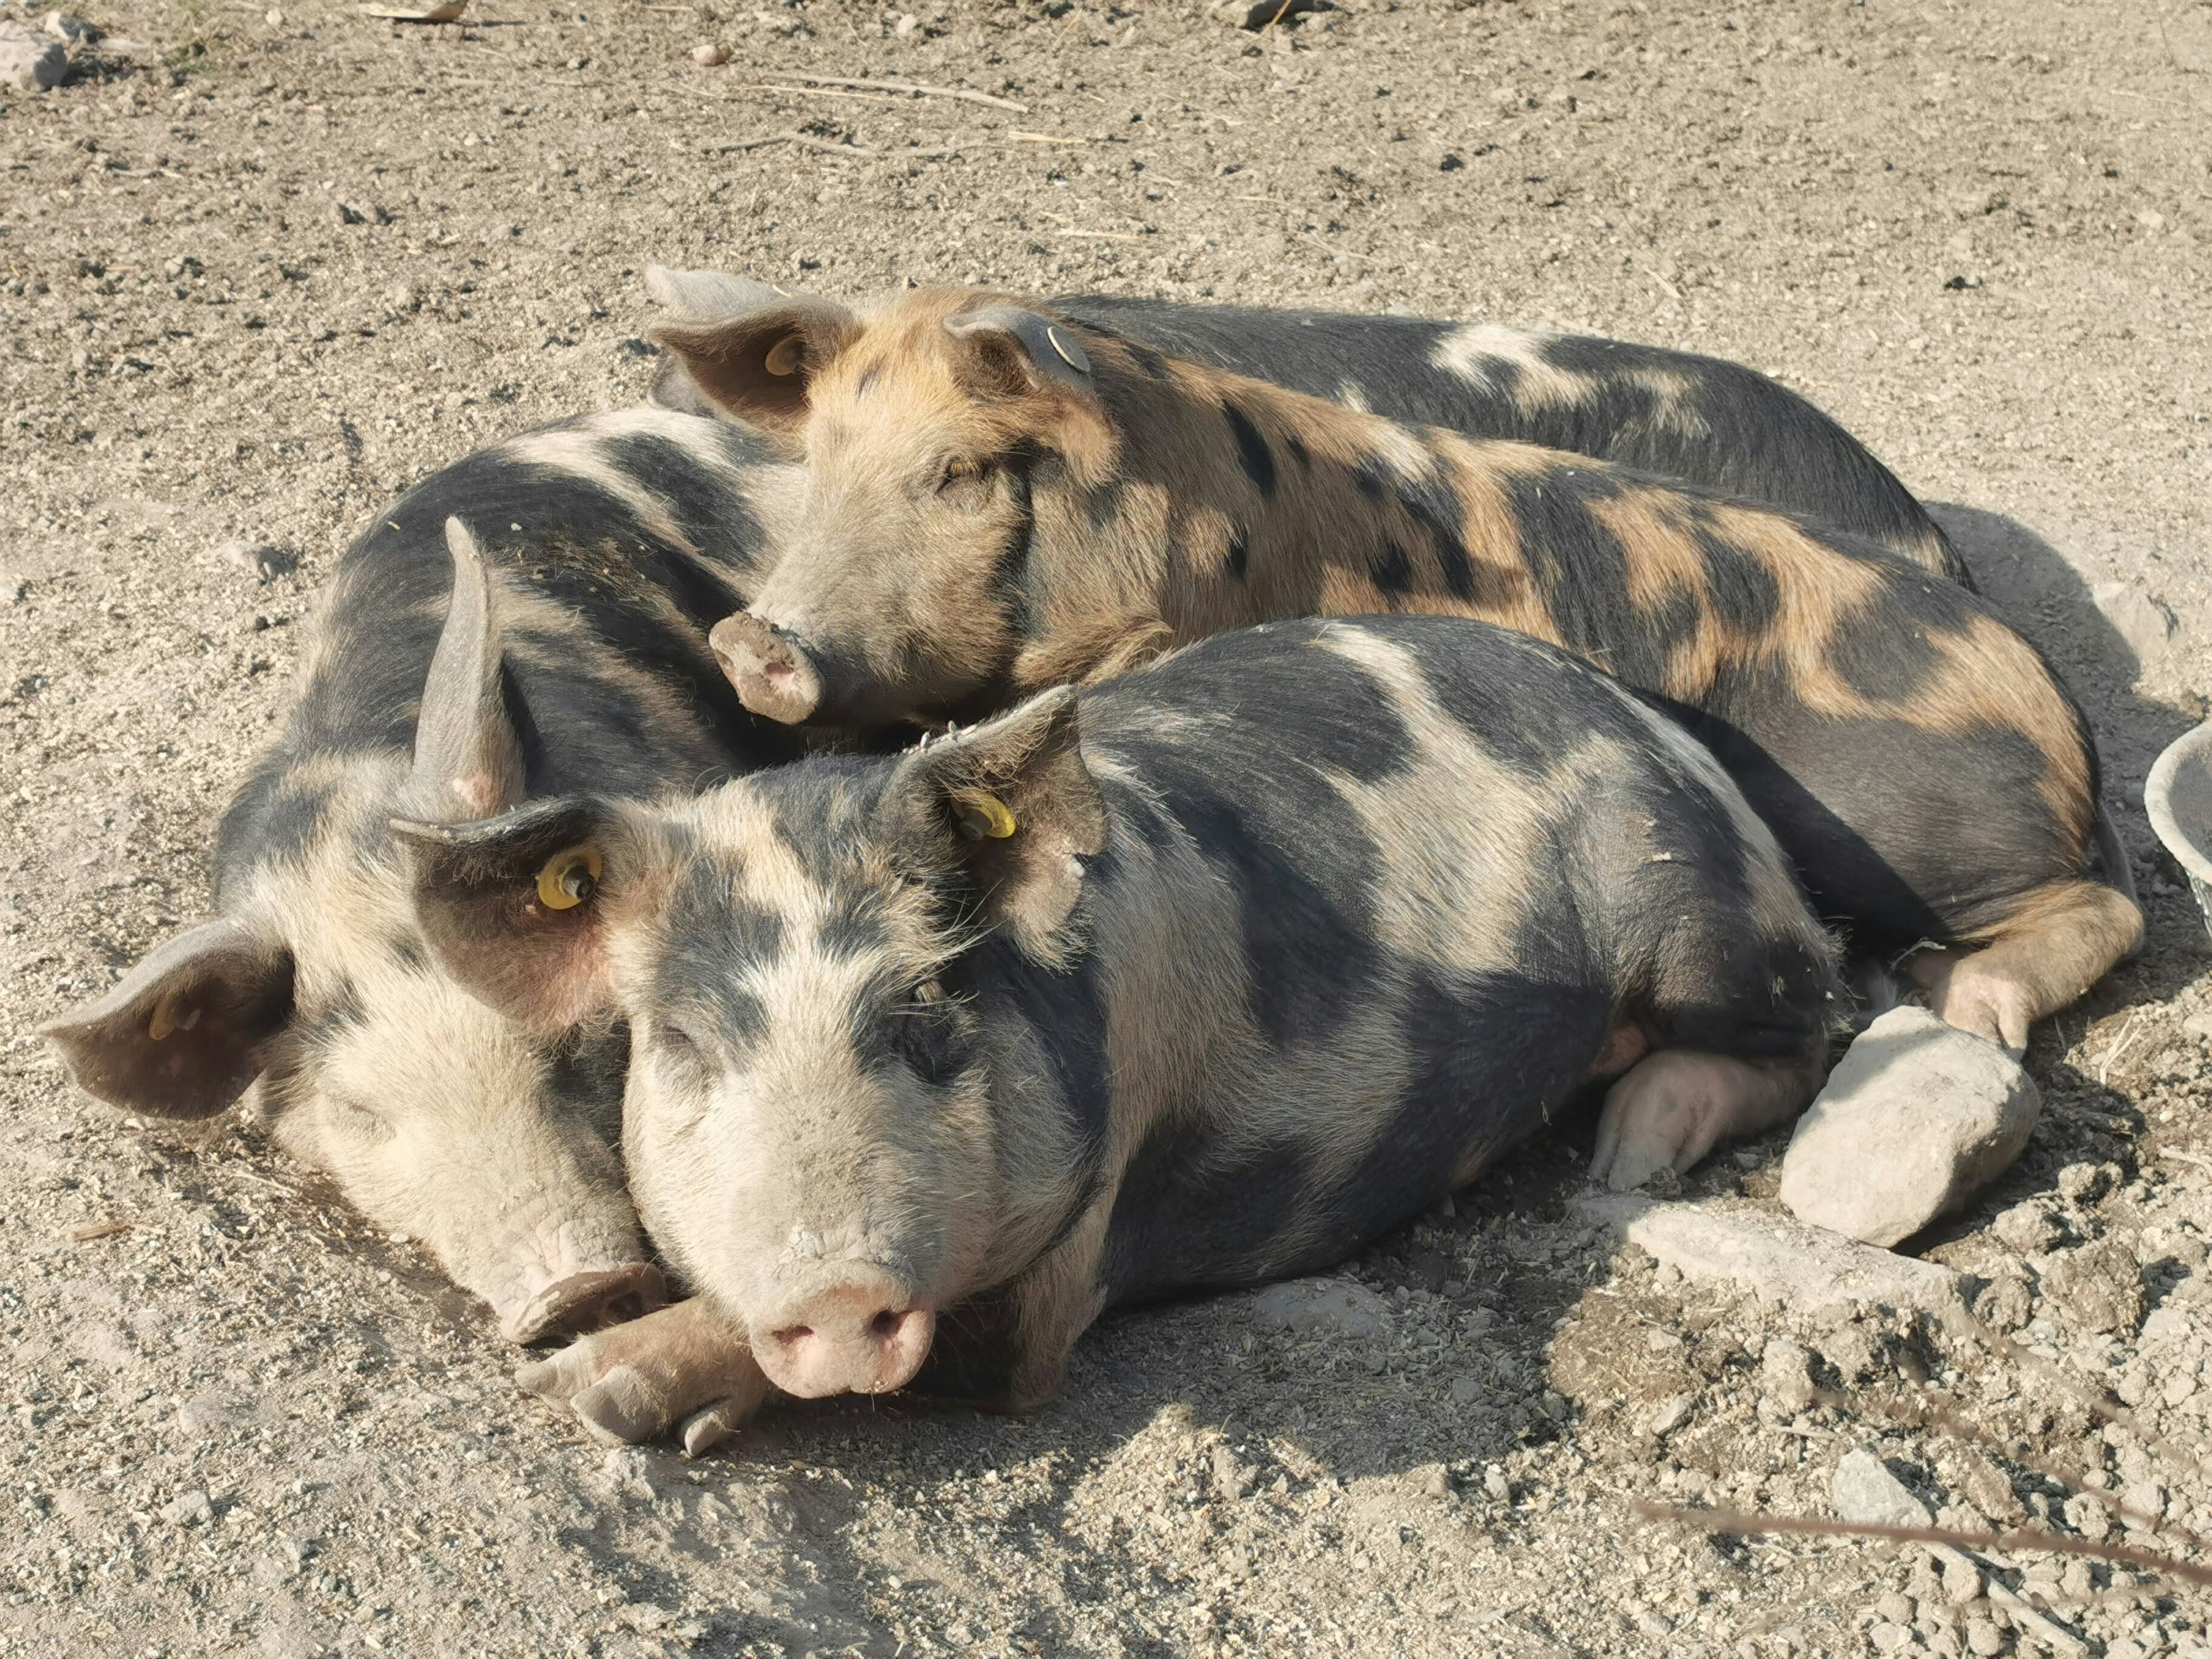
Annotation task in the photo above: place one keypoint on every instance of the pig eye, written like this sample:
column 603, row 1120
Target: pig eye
column 357, row 1118
column 961, row 474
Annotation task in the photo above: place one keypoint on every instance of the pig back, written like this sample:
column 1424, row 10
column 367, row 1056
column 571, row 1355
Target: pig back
column 1375, row 894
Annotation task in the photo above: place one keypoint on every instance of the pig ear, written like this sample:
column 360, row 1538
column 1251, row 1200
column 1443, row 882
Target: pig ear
column 1012, row 802
column 182, row 1034
column 1016, row 352
column 750, row 347
column 468, row 760
column 513, row 906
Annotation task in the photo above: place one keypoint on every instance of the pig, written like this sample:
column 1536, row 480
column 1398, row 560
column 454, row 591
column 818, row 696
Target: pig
column 998, row 500
column 1700, row 419
column 1203, row 977
column 609, row 543
column 453, row 674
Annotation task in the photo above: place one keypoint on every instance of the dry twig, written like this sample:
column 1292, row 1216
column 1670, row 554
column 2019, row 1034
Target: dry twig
column 916, row 88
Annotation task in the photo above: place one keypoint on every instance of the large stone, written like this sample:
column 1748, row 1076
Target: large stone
column 2098, row 1287
column 2139, row 618
column 1866, row 1492
column 1772, row 1257
column 28, row 61
column 1916, row 1117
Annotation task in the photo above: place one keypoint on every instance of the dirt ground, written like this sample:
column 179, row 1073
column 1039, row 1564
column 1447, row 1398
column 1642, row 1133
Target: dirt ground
column 260, row 267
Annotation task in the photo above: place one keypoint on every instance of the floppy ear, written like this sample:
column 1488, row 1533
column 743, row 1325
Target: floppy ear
column 1012, row 801
column 1010, row 351
column 513, row 906
column 182, row 1034
column 468, row 760
column 748, row 346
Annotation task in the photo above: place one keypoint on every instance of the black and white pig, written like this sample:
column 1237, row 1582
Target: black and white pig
column 1199, row 977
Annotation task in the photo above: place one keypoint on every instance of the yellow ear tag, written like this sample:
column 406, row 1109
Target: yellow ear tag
column 568, row 878
column 983, row 815
column 785, row 356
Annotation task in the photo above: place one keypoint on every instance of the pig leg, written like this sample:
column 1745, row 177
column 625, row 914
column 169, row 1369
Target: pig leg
column 2058, row 943
column 634, row 1382
column 1675, row 1106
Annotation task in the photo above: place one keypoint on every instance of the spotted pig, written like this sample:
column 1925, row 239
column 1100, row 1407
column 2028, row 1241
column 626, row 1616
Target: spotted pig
column 1201, row 977
column 997, row 499
column 1700, row 419
column 561, row 647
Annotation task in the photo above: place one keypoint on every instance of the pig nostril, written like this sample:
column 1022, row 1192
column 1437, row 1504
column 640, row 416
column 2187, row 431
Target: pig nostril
column 791, row 1335
column 883, row 1326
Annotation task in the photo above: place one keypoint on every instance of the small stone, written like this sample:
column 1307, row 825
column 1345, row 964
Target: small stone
column 1436, row 1483
column 2005, row 1302
column 69, row 28
column 1671, row 1413
column 2126, row 1647
column 261, row 560
column 29, row 62
column 1496, row 1485
column 2178, row 1388
column 1889, row 1637
column 1467, row 1391
column 2199, row 1024
column 2088, row 1516
column 1864, row 1491
column 905, row 24
column 2098, row 1286
column 1897, row 1606
column 1984, row 1638
column 1231, row 1474
column 1915, row 1118
column 1786, row 1375
column 2144, row 623
column 2143, row 1504
column 1338, row 1307
column 1988, row 1488
column 188, row 1510
column 2080, row 1184
column 2029, row 1228
column 1962, row 1580
column 709, row 54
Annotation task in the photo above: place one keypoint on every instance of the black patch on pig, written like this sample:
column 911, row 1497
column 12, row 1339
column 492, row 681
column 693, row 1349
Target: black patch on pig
column 1192, row 1215
column 1373, row 475
column 1883, row 661
column 1391, row 569
column 1252, row 452
column 274, row 818
column 713, row 940
column 1432, row 503
column 1240, row 553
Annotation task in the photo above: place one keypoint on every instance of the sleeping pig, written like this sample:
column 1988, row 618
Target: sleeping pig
column 1200, row 977
column 998, row 499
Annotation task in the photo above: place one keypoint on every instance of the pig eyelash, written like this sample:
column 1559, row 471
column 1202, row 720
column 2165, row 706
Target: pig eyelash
column 964, row 469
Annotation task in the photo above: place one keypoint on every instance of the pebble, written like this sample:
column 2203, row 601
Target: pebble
column 1897, row 1606
column 1984, row 1638
column 1988, row 1488
column 1865, row 1490
column 2142, row 620
column 2080, row 1184
column 1915, row 1118
column 263, row 562
column 2098, row 1286
column 188, row 1508
column 2088, row 1516
column 1338, row 1307
column 1671, row 1413
column 1496, row 1485
column 2143, row 1504
column 28, row 61
column 1786, row 1375
column 1890, row 1638
column 708, row 54
column 69, row 28
column 2029, row 1228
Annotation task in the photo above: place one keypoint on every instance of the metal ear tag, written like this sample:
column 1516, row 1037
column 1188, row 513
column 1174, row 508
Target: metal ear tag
column 983, row 816
column 1070, row 353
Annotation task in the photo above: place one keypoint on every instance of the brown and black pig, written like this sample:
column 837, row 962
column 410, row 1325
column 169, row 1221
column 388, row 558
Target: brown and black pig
column 998, row 499
column 1200, row 977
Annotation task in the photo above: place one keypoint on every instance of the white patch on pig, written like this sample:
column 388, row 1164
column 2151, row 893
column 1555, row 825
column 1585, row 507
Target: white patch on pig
column 1474, row 352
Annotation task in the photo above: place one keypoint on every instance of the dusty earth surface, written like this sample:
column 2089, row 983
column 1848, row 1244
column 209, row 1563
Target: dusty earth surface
column 260, row 267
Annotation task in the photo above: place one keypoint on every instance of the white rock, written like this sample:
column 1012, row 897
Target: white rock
column 2141, row 620
column 1864, row 1491
column 188, row 1508
column 69, row 28
column 1671, row 1413
column 28, row 61
column 1804, row 1268
column 1336, row 1306
column 1785, row 1374
column 1916, row 1117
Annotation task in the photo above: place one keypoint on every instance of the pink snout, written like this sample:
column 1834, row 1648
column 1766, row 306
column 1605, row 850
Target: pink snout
column 856, row 1336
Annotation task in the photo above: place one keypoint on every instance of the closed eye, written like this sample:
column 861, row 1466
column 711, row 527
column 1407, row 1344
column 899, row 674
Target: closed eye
column 964, row 475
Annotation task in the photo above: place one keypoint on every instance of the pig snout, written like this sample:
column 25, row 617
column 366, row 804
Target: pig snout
column 582, row 1303
column 772, row 672
column 859, row 1333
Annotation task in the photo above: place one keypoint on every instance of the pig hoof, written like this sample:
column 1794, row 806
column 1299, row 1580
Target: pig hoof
column 705, row 1430
column 771, row 674
column 588, row 1301
column 621, row 1408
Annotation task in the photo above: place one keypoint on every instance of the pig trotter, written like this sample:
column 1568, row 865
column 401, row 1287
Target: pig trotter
column 2058, row 942
column 589, row 1302
column 1677, row 1105
column 637, row 1381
